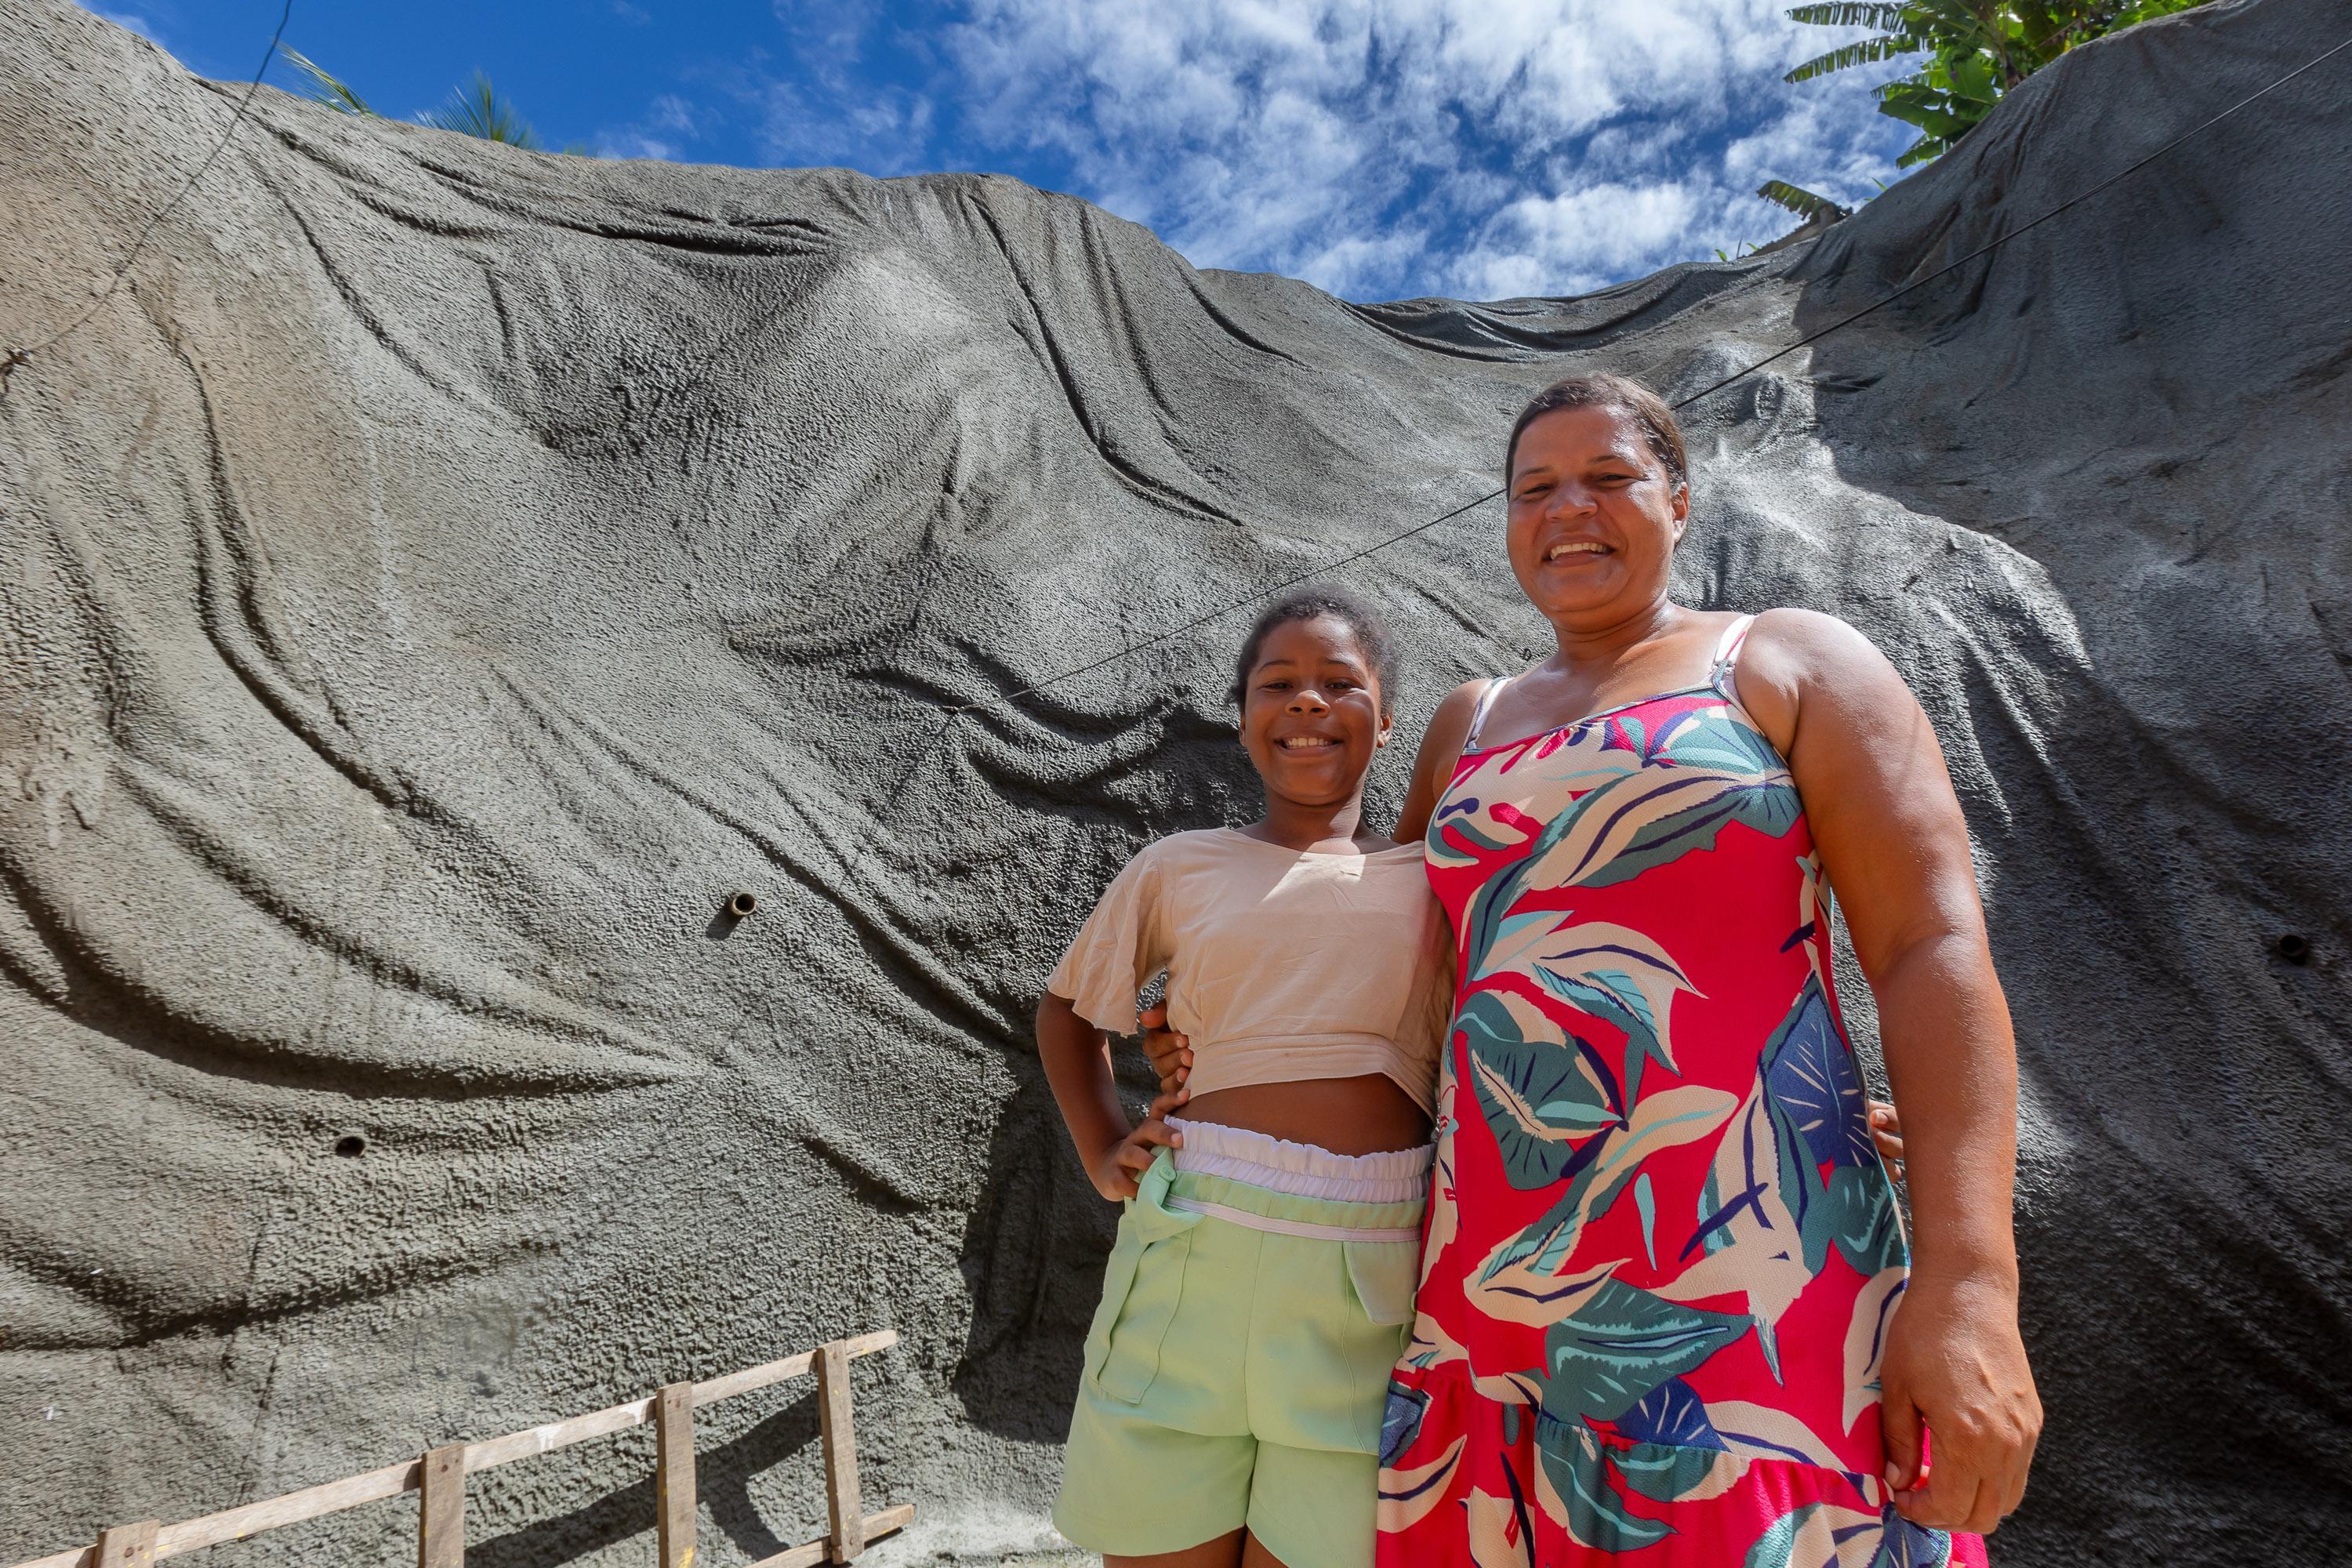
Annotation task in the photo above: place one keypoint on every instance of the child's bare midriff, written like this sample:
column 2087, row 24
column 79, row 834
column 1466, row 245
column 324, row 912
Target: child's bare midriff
column 1366, row 1115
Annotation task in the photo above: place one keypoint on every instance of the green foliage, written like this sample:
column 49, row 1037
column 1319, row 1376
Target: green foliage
column 476, row 109
column 329, row 91
column 1975, row 50
column 1805, row 204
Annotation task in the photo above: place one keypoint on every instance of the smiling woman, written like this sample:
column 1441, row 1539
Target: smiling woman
column 1657, row 1319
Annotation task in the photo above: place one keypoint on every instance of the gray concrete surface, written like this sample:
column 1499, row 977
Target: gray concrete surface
column 442, row 574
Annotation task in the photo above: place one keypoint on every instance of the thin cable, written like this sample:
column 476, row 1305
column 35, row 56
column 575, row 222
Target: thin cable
column 17, row 357
column 2012, row 234
column 1248, row 598
column 1842, row 323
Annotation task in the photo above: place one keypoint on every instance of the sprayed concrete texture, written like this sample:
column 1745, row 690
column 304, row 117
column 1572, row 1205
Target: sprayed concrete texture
column 441, row 575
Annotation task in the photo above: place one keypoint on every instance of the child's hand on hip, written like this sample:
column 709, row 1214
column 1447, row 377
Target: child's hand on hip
column 1117, row 1169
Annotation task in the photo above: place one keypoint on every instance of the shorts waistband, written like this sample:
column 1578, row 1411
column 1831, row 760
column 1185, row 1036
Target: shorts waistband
column 1297, row 1189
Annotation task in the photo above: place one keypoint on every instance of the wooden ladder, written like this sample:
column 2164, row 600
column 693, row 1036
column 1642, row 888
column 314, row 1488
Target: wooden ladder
column 438, row 1478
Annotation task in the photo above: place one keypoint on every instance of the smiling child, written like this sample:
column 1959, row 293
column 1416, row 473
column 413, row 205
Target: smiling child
column 1257, row 1295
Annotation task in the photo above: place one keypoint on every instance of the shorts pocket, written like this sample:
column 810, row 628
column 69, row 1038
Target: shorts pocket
column 1143, row 1285
column 1385, row 1274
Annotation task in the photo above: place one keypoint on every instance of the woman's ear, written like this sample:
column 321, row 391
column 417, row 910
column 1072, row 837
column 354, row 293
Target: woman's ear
column 1682, row 511
column 1388, row 724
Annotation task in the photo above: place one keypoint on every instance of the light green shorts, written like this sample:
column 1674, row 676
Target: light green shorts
column 1235, row 1376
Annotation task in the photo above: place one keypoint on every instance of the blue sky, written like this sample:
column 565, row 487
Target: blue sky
column 1382, row 149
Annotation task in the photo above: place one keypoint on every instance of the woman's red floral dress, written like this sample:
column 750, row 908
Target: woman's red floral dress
column 1662, row 1255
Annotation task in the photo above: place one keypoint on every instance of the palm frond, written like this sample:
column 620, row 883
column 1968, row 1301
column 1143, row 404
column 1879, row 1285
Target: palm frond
column 1862, row 54
column 332, row 91
column 1805, row 204
column 1853, row 13
column 476, row 109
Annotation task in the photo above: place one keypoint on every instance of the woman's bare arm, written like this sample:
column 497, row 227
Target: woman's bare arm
column 1432, row 767
column 1895, row 847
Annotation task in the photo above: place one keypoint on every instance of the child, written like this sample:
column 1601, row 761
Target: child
column 1258, row 1293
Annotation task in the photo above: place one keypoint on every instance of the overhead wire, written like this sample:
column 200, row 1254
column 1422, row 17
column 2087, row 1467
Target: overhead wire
column 16, row 358
column 1355, row 555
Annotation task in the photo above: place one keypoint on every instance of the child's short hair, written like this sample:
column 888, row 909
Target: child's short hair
column 1312, row 602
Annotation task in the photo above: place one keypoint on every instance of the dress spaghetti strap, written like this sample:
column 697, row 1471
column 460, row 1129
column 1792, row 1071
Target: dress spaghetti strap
column 1479, row 714
column 1726, row 655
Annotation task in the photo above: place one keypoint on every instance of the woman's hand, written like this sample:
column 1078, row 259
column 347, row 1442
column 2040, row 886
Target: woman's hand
column 1954, row 1366
column 1117, row 1169
column 1170, row 1053
column 1886, row 1132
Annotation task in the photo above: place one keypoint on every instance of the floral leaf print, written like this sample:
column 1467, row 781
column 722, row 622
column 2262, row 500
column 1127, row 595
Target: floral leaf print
column 1537, row 1299
column 1623, row 978
column 1500, row 1535
column 1645, row 819
column 1669, row 1475
column 1520, row 1269
column 1620, row 1344
column 1856, row 1215
column 1819, row 1535
column 1770, row 805
column 1760, row 1432
column 1401, row 1422
column 1573, row 1488
column 1543, row 1101
column 1815, row 1094
column 1716, row 740
column 1812, row 1079
column 1408, row 1496
column 1746, row 1240
column 1903, row 1545
column 1670, row 1414
column 1445, row 1214
column 1865, row 1339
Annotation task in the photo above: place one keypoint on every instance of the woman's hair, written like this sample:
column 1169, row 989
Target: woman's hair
column 1638, row 403
column 1372, row 635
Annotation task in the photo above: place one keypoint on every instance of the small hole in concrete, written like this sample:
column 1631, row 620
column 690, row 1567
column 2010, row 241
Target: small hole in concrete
column 2294, row 947
column 351, row 1146
column 742, row 904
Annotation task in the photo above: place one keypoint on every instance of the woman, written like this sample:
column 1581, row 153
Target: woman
column 1656, row 1321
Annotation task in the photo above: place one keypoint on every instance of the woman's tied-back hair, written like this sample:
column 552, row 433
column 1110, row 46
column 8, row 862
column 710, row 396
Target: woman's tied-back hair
column 1645, row 408
column 1372, row 635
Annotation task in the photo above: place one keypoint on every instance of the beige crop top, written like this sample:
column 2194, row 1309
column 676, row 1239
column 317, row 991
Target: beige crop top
column 1281, row 966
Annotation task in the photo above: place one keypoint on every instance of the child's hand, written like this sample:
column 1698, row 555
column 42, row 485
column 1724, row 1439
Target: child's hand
column 1886, row 1132
column 1170, row 1053
column 1116, row 1170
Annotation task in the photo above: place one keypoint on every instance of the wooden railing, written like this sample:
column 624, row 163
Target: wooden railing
column 438, row 1478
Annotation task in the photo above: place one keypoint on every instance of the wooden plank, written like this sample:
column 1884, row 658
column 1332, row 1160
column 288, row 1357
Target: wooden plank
column 392, row 1480
column 491, row 1452
column 128, row 1545
column 441, row 1508
column 674, row 1474
column 837, row 1429
column 877, row 1525
column 744, row 1382
column 311, row 1502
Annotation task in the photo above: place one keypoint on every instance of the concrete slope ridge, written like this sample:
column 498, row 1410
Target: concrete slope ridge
column 442, row 574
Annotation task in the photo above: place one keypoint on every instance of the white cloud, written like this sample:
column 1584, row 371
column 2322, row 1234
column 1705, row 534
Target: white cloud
column 131, row 22
column 634, row 145
column 1495, row 146
column 668, row 125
